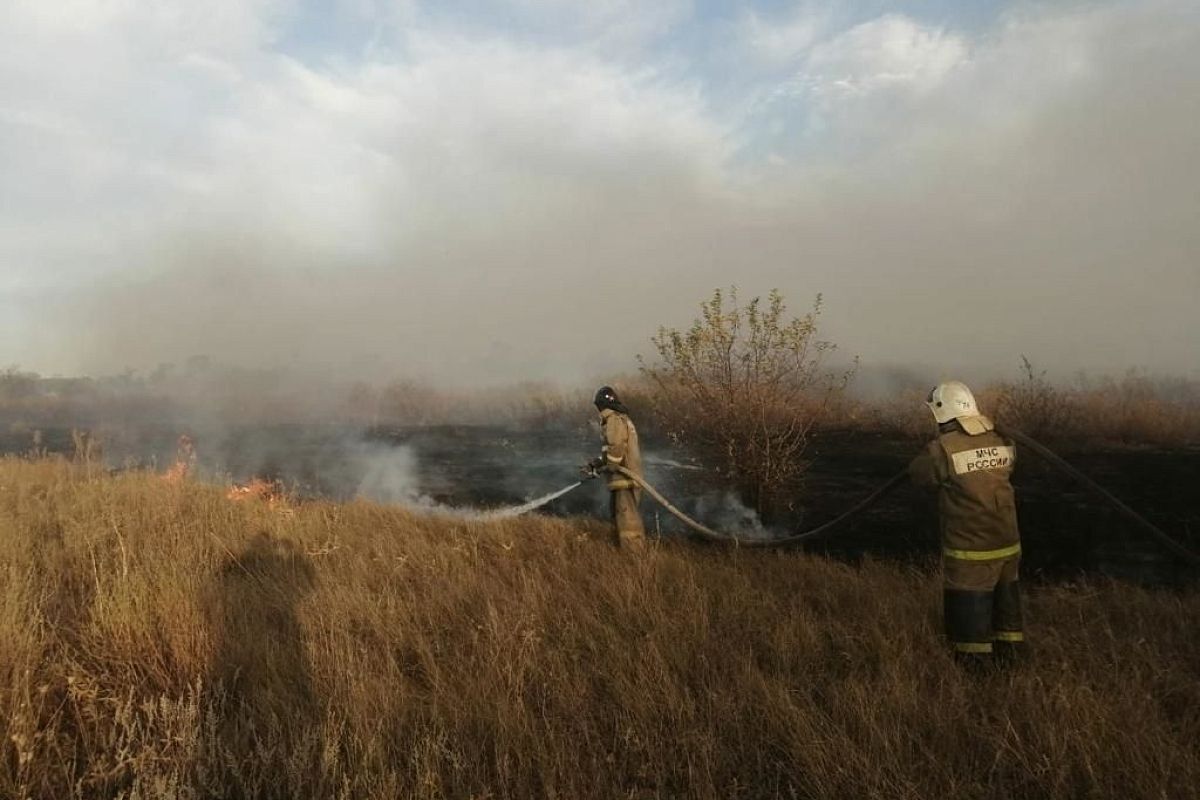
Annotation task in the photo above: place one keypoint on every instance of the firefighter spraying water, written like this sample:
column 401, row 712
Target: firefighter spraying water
column 621, row 459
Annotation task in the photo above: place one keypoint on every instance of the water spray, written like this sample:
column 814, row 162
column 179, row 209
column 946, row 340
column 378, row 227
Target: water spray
column 532, row 505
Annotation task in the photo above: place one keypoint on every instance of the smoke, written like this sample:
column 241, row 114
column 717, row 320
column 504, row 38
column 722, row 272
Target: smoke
column 389, row 475
column 725, row 513
column 475, row 207
column 392, row 474
column 689, row 488
column 470, row 472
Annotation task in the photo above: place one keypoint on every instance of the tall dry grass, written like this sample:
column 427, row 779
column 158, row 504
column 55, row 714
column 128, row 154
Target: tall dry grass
column 528, row 403
column 1131, row 410
column 159, row 641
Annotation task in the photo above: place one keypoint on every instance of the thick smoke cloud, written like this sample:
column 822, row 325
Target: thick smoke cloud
column 470, row 203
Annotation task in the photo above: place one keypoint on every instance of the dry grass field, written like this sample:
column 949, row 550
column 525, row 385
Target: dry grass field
column 159, row 641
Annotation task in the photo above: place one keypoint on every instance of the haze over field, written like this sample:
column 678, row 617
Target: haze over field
column 522, row 189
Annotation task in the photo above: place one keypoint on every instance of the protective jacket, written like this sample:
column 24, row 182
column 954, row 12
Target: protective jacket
column 620, row 448
column 970, row 467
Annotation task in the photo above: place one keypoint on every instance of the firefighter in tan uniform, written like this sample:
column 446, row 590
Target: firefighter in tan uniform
column 620, row 449
column 969, row 464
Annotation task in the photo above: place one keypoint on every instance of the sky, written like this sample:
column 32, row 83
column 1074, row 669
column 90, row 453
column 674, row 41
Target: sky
column 488, row 192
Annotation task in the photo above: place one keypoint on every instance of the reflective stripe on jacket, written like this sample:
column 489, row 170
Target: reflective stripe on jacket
column 620, row 447
column 976, row 503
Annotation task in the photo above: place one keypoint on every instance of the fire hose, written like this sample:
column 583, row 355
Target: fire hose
column 716, row 536
column 1140, row 522
column 1036, row 447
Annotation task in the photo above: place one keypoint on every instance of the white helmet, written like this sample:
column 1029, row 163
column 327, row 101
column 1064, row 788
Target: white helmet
column 952, row 400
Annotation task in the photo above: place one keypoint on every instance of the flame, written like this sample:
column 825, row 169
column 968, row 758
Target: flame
column 185, row 461
column 177, row 472
column 260, row 489
column 268, row 491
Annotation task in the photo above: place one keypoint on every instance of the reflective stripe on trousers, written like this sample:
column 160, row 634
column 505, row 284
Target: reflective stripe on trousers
column 982, row 555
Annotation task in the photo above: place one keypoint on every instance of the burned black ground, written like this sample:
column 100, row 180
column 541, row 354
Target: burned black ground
column 1065, row 531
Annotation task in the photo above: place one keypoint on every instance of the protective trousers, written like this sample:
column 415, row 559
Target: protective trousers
column 983, row 609
column 626, row 518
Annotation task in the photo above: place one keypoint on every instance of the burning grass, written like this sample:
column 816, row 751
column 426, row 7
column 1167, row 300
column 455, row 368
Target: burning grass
column 269, row 492
column 157, row 640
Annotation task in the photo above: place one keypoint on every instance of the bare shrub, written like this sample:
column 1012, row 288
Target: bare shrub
column 743, row 388
column 1035, row 406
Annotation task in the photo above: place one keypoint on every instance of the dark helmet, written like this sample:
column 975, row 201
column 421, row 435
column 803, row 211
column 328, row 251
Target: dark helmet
column 606, row 397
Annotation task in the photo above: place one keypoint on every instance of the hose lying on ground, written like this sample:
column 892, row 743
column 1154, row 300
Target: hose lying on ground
column 1100, row 492
column 821, row 530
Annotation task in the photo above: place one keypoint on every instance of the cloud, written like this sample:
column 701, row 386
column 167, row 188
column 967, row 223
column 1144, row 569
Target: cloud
column 618, row 22
column 776, row 42
column 884, row 54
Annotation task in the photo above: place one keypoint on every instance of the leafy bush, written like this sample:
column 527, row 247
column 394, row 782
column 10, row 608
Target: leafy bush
column 742, row 388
